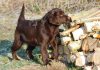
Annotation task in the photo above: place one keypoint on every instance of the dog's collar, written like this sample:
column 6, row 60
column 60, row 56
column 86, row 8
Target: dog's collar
column 45, row 21
column 54, row 25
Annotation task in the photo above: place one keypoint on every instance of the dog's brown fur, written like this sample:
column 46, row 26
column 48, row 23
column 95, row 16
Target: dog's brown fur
column 39, row 32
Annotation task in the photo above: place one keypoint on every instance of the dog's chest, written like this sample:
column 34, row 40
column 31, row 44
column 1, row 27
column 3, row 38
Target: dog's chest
column 53, row 32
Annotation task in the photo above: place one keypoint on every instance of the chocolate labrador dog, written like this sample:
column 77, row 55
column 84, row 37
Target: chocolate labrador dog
column 39, row 32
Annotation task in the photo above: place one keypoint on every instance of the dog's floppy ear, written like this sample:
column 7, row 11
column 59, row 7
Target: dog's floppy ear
column 54, row 13
column 52, row 17
column 49, row 16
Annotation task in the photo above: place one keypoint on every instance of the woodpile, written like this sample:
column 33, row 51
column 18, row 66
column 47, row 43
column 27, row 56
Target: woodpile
column 85, row 49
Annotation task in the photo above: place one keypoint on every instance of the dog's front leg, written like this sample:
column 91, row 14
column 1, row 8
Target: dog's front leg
column 45, row 56
column 55, row 50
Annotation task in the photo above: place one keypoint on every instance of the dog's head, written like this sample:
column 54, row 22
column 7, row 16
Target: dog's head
column 57, row 17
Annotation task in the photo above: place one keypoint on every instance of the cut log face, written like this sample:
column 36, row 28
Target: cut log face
column 73, row 58
column 96, row 56
column 90, row 57
column 88, row 68
column 65, row 40
column 81, row 59
column 74, row 45
column 77, row 33
column 91, row 26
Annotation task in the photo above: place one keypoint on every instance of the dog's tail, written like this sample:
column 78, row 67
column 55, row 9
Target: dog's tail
column 22, row 17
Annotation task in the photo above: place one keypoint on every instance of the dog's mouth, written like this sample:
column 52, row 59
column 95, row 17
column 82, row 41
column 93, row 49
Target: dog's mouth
column 68, row 22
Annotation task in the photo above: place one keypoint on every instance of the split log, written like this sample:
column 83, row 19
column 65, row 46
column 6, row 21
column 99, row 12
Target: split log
column 83, row 36
column 89, row 44
column 96, row 56
column 96, row 36
column 96, row 67
column 85, row 45
column 96, row 28
column 81, row 59
column 90, row 26
column 70, row 30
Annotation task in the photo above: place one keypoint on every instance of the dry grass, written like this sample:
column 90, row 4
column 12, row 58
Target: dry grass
column 33, row 5
column 7, row 27
column 54, row 66
column 36, row 6
column 40, row 6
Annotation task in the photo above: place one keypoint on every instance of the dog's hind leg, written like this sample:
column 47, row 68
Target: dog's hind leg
column 29, row 51
column 16, row 45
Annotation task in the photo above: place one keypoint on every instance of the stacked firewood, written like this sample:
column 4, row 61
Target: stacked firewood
column 85, row 46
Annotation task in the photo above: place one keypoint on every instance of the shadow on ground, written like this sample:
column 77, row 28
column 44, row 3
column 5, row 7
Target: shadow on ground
column 6, row 62
column 5, row 46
